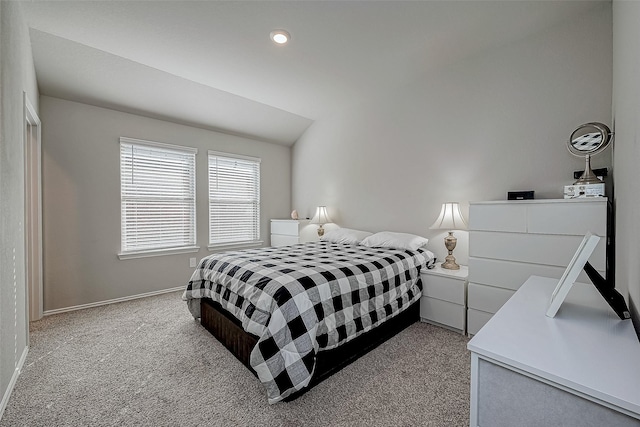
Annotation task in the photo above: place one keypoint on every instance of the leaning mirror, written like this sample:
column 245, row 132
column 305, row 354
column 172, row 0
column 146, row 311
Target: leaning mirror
column 587, row 140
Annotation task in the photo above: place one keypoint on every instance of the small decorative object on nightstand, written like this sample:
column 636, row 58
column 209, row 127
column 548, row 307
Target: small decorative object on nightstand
column 450, row 219
column 321, row 217
column 443, row 301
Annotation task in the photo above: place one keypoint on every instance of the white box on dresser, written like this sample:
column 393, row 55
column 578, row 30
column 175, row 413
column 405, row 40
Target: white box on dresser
column 443, row 301
column 512, row 240
column 287, row 231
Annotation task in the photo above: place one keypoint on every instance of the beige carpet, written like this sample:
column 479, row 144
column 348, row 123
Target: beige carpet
column 148, row 363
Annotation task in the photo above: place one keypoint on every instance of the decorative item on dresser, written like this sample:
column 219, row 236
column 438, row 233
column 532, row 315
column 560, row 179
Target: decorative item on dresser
column 570, row 275
column 605, row 287
column 512, row 240
column 444, row 295
column 450, row 219
column 287, row 231
column 321, row 217
column 588, row 140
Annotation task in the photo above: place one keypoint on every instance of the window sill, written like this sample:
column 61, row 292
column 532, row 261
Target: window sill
column 158, row 252
column 238, row 245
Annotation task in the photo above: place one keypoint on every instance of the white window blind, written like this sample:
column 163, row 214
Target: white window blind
column 157, row 186
column 234, row 199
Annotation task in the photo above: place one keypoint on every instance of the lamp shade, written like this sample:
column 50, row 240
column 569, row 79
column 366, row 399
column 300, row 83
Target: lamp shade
column 321, row 216
column 450, row 218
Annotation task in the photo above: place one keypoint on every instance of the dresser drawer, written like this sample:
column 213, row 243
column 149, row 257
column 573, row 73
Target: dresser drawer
column 286, row 227
column 282, row 240
column 511, row 274
column 476, row 320
column 443, row 288
column 555, row 250
column 570, row 218
column 487, row 298
column 442, row 312
column 510, row 217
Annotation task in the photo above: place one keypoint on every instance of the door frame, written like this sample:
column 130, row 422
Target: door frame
column 33, row 211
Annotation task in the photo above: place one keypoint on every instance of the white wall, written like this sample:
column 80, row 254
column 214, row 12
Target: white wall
column 81, row 192
column 626, row 156
column 489, row 124
column 17, row 75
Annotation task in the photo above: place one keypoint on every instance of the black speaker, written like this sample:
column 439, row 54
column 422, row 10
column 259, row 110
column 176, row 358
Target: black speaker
column 520, row 195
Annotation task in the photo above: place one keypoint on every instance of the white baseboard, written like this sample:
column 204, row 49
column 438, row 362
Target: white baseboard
column 111, row 301
column 12, row 383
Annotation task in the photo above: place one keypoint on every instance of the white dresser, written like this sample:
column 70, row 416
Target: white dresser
column 579, row 368
column 512, row 240
column 288, row 231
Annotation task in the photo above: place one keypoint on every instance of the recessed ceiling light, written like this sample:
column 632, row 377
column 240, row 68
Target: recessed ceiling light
column 280, row 36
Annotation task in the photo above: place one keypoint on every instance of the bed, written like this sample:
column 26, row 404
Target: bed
column 296, row 314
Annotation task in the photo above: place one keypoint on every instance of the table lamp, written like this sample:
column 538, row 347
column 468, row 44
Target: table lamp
column 450, row 219
column 321, row 217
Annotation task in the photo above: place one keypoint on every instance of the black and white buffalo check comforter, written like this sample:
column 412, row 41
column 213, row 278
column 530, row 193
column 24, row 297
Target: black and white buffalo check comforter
column 303, row 298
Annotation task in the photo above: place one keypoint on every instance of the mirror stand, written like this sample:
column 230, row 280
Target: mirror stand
column 588, row 177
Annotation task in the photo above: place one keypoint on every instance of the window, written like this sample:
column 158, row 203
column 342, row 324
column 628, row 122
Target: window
column 234, row 199
column 157, row 187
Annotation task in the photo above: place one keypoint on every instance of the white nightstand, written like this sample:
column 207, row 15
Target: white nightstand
column 444, row 297
column 288, row 231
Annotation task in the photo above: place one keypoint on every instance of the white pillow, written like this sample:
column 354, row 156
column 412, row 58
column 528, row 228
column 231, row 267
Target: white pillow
column 345, row 236
column 388, row 239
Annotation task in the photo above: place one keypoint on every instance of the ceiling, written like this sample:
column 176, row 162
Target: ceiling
column 211, row 64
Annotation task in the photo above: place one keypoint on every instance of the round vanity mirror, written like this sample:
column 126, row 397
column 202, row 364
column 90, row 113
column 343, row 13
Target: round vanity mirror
column 589, row 139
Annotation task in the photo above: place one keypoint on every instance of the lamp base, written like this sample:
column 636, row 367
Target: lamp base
column 450, row 261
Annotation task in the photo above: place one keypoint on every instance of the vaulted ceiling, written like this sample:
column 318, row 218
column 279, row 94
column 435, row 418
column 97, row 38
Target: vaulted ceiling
column 212, row 64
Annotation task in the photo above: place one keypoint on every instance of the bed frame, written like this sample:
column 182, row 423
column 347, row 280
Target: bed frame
column 228, row 330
